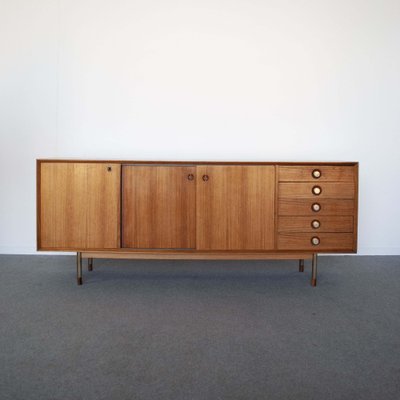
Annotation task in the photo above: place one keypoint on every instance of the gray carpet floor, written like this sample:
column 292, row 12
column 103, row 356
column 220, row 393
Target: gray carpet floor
column 197, row 330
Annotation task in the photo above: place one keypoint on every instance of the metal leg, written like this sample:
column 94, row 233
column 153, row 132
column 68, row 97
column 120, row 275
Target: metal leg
column 301, row 265
column 314, row 270
column 79, row 268
column 90, row 264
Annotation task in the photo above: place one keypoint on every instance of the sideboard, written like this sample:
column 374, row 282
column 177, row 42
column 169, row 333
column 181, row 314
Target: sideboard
column 197, row 210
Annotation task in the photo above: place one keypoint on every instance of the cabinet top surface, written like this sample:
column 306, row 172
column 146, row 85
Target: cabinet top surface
column 189, row 162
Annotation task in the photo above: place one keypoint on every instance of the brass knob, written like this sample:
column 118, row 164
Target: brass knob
column 316, row 207
column 316, row 174
column 317, row 190
column 315, row 241
column 315, row 224
column 205, row 178
column 109, row 169
column 190, row 177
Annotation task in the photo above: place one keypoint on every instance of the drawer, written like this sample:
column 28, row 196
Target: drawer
column 320, row 190
column 316, row 224
column 320, row 173
column 327, row 241
column 325, row 206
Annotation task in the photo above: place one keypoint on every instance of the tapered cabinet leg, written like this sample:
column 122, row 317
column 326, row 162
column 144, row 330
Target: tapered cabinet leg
column 90, row 264
column 79, row 268
column 314, row 270
column 301, row 265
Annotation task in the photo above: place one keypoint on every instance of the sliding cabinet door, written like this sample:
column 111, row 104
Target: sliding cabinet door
column 103, row 206
column 235, row 207
column 158, row 207
column 78, row 206
column 62, row 212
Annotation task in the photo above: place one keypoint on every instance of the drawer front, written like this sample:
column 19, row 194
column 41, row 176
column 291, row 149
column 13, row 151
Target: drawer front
column 322, row 190
column 316, row 173
column 316, row 224
column 325, row 206
column 326, row 241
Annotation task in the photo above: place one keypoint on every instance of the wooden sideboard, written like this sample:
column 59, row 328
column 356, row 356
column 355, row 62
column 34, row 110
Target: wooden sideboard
column 197, row 210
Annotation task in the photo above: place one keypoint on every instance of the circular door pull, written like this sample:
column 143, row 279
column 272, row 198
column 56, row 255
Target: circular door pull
column 315, row 224
column 109, row 169
column 315, row 241
column 317, row 190
column 316, row 207
column 190, row 177
column 316, row 174
column 205, row 178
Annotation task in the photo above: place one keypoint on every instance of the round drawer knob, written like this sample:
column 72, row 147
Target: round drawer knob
column 109, row 169
column 315, row 241
column 205, row 178
column 316, row 207
column 316, row 174
column 190, row 177
column 315, row 224
column 317, row 190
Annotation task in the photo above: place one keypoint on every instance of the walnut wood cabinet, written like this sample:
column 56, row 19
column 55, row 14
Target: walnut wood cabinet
column 196, row 210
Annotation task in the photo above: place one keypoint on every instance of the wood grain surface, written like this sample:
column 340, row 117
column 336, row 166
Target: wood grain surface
column 328, row 241
column 235, row 207
column 330, row 190
column 326, row 224
column 79, row 206
column 329, row 173
column 158, row 207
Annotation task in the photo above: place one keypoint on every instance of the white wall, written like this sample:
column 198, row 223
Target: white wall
column 201, row 80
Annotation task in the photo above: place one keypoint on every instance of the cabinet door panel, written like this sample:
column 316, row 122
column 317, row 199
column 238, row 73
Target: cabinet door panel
column 62, row 206
column 235, row 207
column 79, row 206
column 158, row 207
column 103, row 202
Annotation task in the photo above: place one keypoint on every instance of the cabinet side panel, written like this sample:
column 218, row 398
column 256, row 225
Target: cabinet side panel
column 38, row 207
column 235, row 207
column 356, row 183
column 158, row 207
column 62, row 206
column 103, row 201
